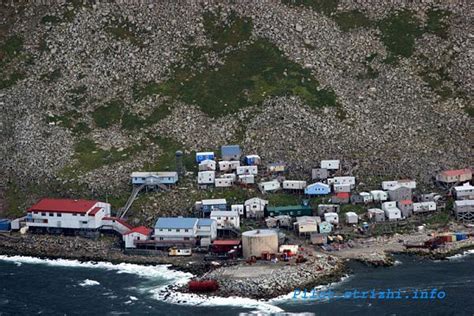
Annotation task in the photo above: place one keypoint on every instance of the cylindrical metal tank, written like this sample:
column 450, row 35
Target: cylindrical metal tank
column 255, row 242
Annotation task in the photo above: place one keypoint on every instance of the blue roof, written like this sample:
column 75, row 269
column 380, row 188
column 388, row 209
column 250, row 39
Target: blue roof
column 205, row 222
column 175, row 222
column 230, row 150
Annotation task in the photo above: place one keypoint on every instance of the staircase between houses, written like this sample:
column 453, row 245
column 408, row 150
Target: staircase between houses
column 123, row 211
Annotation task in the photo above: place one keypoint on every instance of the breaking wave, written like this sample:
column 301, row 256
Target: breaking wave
column 461, row 255
column 88, row 282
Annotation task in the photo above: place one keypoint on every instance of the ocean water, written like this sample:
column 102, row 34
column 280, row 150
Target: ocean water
column 31, row 286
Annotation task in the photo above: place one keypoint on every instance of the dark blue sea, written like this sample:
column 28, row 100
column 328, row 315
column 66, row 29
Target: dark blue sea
column 30, row 286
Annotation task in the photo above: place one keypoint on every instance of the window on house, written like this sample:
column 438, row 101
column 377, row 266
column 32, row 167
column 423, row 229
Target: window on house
column 186, row 230
column 161, row 229
column 43, row 214
column 51, row 214
column 178, row 230
column 161, row 238
column 169, row 229
column 74, row 214
column 84, row 222
column 83, row 214
column 186, row 238
column 59, row 214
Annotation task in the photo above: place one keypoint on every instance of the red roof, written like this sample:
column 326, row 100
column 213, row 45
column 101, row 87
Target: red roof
column 141, row 230
column 63, row 206
column 118, row 220
column 406, row 202
column 227, row 242
column 94, row 211
column 343, row 195
column 457, row 172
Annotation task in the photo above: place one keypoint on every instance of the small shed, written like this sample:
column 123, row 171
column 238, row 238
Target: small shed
column 213, row 204
column 206, row 177
column 328, row 208
column 317, row 188
column 332, row 218
column 252, row 160
column 424, row 207
column 269, row 186
column 247, row 179
column 352, row 218
column 239, row 208
column 245, row 170
column 254, row 207
column 356, row 198
column 307, row 224
column 135, row 235
column 205, row 155
column 231, row 152
column 319, row 174
column 367, row 197
column 223, row 182
column 330, row 164
column 325, row 228
column 342, row 188
column 393, row 214
column 376, row 215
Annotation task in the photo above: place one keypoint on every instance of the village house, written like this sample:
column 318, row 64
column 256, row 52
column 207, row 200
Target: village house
column 342, row 188
column 230, row 152
column 330, row 164
column 232, row 176
column 154, row 178
column 454, row 176
column 327, row 208
column 223, row 182
column 332, row 218
column 61, row 215
column 343, row 180
column 115, row 224
column 406, row 207
column 424, row 207
column 356, row 198
column 239, row 208
column 252, row 160
column 247, row 170
column 247, row 179
column 209, row 205
column 398, row 193
column 269, row 186
column 229, row 165
column 391, row 211
column 279, row 221
column 319, row 174
column 376, row 214
column 291, row 210
column 255, row 207
column 325, row 227
column 201, row 156
column 207, row 165
column 407, row 183
column 464, row 210
column 176, row 231
column 427, row 197
column 135, row 235
column 226, row 219
column 366, row 197
column 206, row 231
column 379, row 195
column 340, row 198
column 294, row 185
column 317, row 188
column 464, row 192
column 206, row 177
column 352, row 218
column 306, row 225
column 389, row 184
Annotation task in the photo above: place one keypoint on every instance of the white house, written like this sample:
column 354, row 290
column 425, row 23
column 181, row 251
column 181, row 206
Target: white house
column 131, row 237
column 407, row 183
column 464, row 192
column 226, row 219
column 389, row 184
column 228, row 165
column 366, row 196
column 343, row 180
column 331, row 217
column 247, row 170
column 379, row 195
column 247, row 179
column 206, row 231
column 207, row 165
column 239, row 208
column 67, row 214
column 421, row 207
column 352, row 218
column 223, row 182
column 330, row 164
column 393, row 214
column 255, row 207
column 176, row 230
column 269, row 186
column 294, row 185
column 388, row 205
column 342, row 188
column 307, row 224
column 206, row 177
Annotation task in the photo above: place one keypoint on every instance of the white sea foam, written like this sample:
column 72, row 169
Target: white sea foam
column 461, row 255
column 133, row 298
column 151, row 272
column 88, row 282
column 397, row 263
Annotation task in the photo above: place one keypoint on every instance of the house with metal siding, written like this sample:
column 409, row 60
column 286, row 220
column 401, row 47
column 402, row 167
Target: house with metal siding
column 319, row 174
column 135, row 235
column 423, row 207
column 276, row 167
column 269, row 186
column 332, row 218
column 213, row 204
column 342, row 188
column 326, row 208
column 223, row 182
column 464, row 210
column 247, row 170
column 376, row 214
column 379, row 195
column 398, row 193
column 207, row 165
column 294, row 185
column 352, row 218
column 231, row 152
column 406, row 207
column 154, row 178
column 330, row 164
column 206, row 231
column 226, row 219
column 291, row 210
column 325, row 228
column 317, row 188
column 247, row 179
column 201, row 156
column 255, row 207
column 206, row 177
column 176, row 230
column 341, row 198
column 464, row 192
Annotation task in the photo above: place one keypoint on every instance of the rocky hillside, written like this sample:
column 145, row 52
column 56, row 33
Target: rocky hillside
column 91, row 92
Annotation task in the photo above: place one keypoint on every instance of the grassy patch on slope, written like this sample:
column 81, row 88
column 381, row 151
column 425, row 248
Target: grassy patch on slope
column 437, row 22
column 109, row 114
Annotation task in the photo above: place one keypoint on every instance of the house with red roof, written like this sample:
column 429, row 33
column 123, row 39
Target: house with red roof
column 136, row 234
column 341, row 198
column 406, row 207
column 66, row 214
column 454, row 176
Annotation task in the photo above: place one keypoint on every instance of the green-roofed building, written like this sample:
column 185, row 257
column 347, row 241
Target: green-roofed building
column 291, row 210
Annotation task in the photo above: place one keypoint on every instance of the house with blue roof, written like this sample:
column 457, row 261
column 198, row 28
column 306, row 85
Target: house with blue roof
column 317, row 188
column 231, row 152
column 204, row 155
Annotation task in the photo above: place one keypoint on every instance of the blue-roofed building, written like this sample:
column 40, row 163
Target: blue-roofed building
column 317, row 188
column 176, row 230
column 205, row 155
column 207, row 206
column 231, row 152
